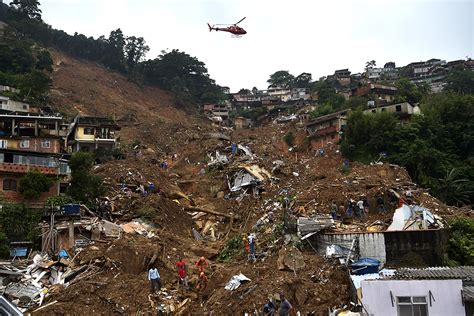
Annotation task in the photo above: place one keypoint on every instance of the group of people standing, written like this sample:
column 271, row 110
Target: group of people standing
column 182, row 270
column 359, row 208
column 269, row 308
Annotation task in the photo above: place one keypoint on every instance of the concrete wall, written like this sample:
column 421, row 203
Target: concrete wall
column 34, row 144
column 17, row 197
column 428, row 244
column 81, row 136
column 370, row 245
column 447, row 295
column 391, row 247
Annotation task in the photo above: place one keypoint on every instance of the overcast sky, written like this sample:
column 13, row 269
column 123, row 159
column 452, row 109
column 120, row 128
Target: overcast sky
column 315, row 36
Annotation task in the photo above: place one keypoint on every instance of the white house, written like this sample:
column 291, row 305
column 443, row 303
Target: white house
column 281, row 92
column 422, row 292
column 404, row 109
column 13, row 106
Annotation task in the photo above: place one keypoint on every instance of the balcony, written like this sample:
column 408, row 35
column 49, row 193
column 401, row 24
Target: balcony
column 19, row 168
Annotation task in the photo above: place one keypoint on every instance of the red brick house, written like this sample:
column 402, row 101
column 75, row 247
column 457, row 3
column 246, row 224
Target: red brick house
column 326, row 129
column 30, row 142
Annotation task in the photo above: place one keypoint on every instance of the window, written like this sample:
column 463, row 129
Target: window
column 88, row 131
column 384, row 109
column 25, row 143
column 398, row 108
column 412, row 306
column 45, row 143
column 9, row 185
column 3, row 143
column 373, row 111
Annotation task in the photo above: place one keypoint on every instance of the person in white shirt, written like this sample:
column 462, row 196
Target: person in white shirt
column 154, row 278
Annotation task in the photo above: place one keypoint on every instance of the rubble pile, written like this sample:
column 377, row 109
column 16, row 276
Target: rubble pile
column 190, row 189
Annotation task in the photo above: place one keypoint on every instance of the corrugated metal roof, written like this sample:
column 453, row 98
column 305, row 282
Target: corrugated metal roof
column 465, row 273
column 468, row 293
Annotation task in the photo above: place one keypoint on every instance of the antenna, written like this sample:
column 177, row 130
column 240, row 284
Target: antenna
column 240, row 20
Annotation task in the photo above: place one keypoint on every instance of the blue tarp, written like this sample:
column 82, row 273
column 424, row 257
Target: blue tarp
column 71, row 209
column 365, row 266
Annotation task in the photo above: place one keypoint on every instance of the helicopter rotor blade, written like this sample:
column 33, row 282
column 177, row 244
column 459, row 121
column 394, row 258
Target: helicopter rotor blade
column 240, row 20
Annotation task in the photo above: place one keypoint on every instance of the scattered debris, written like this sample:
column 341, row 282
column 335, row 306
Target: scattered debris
column 235, row 282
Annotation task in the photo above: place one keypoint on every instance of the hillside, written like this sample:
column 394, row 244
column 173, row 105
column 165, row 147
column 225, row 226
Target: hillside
column 194, row 194
column 144, row 112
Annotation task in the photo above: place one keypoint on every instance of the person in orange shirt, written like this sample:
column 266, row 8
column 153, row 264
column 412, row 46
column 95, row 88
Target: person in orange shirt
column 202, row 264
column 202, row 282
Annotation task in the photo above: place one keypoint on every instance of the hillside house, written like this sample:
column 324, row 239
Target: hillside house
column 422, row 292
column 403, row 110
column 380, row 93
column 326, row 129
column 27, row 143
column 343, row 76
column 425, row 68
column 221, row 110
column 300, row 94
column 241, row 122
column 92, row 134
column 282, row 93
column 9, row 89
column 7, row 105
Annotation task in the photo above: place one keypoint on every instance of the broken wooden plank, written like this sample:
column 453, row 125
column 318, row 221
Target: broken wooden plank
column 198, row 209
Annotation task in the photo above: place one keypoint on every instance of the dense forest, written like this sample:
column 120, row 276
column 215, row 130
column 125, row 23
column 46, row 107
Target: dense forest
column 174, row 71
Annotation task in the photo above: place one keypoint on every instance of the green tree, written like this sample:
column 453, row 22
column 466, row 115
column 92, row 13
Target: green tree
column 185, row 76
column 84, row 187
column 4, row 248
column 29, row 8
column 281, row 78
column 19, row 223
column 135, row 50
column 244, row 91
column 370, row 65
column 461, row 242
column 303, row 80
column 454, row 189
column 33, row 184
column 408, row 91
column 430, row 146
column 461, row 81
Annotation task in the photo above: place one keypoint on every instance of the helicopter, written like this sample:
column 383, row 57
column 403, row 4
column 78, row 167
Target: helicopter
column 231, row 28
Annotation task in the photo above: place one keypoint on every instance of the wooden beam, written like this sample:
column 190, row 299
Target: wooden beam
column 198, row 209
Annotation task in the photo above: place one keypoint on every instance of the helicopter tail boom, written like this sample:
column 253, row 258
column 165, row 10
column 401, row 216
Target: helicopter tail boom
column 210, row 27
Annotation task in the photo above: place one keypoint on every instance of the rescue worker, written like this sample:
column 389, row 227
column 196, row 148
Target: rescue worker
column 202, row 264
column 182, row 272
column 202, row 281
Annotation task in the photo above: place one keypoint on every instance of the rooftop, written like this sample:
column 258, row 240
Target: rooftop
column 95, row 120
column 465, row 273
column 327, row 117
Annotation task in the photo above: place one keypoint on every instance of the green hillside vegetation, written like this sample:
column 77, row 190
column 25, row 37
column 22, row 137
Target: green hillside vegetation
column 174, row 71
column 436, row 148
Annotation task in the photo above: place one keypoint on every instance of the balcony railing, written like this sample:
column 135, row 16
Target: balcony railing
column 20, row 168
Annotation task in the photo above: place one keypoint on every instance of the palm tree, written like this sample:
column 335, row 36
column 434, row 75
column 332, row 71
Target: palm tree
column 455, row 190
